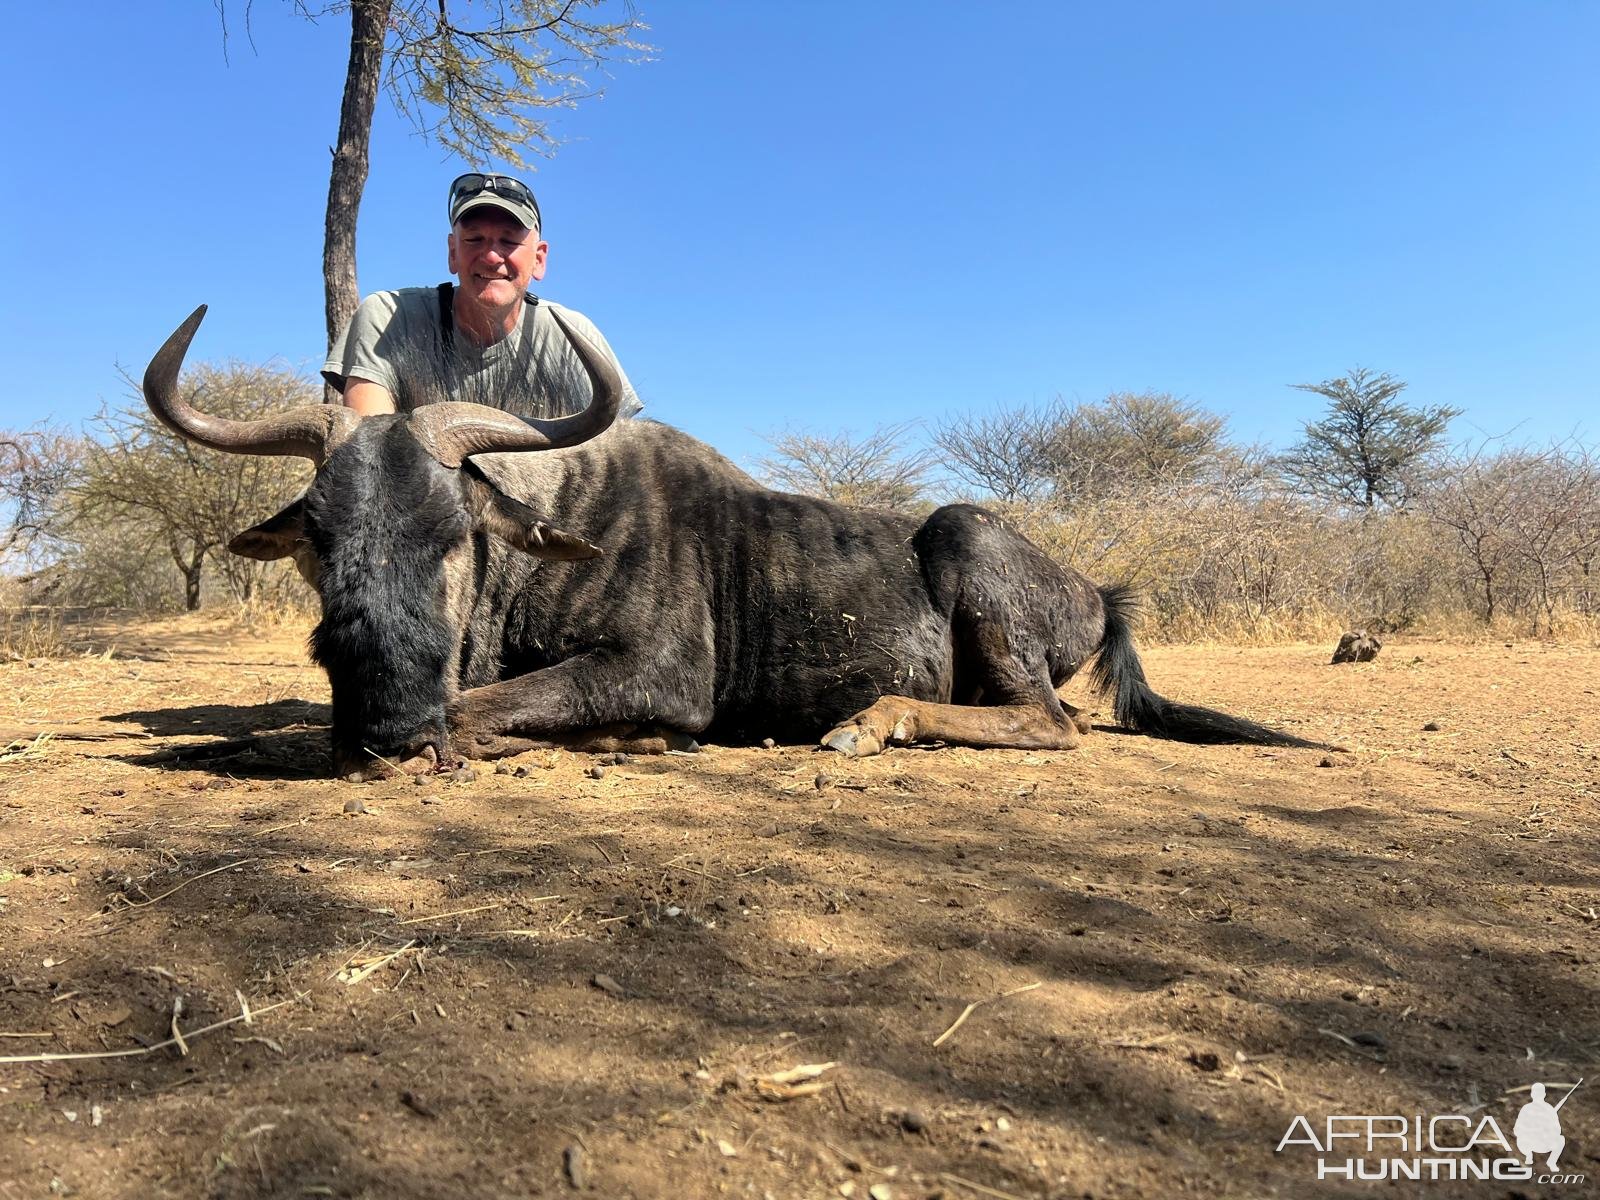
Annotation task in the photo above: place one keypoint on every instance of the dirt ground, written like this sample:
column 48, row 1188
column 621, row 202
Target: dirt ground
column 544, row 983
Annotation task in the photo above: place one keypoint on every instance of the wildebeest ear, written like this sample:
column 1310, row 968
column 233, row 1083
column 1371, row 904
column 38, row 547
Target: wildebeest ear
column 273, row 538
column 525, row 529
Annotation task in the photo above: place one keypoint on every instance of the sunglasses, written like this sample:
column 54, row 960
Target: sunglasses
column 473, row 184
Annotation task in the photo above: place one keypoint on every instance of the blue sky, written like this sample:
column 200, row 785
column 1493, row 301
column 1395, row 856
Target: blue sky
column 834, row 216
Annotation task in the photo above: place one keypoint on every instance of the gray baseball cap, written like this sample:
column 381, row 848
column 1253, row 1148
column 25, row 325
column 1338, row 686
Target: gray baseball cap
column 508, row 194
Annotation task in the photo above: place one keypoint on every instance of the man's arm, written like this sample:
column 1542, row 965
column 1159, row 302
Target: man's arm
column 368, row 398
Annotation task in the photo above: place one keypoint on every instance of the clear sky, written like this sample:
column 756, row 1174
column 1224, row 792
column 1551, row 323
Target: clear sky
column 836, row 215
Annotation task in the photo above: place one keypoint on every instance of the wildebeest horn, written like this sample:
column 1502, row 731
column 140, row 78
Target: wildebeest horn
column 311, row 431
column 453, row 431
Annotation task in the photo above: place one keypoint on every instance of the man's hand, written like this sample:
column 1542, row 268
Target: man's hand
column 368, row 398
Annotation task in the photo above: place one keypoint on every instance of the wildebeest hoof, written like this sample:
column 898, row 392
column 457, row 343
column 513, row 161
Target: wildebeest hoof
column 374, row 767
column 853, row 741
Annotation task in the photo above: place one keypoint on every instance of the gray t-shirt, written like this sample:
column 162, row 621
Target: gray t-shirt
column 396, row 339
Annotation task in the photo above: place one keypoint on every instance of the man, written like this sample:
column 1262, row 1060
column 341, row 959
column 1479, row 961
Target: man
column 1538, row 1127
column 486, row 338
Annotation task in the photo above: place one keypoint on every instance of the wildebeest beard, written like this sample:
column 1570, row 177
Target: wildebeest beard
column 382, row 517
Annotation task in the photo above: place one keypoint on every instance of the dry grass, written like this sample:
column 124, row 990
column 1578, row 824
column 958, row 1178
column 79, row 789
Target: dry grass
column 32, row 632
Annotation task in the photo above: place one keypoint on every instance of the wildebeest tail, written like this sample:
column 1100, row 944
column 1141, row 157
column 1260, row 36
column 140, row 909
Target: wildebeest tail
column 1118, row 671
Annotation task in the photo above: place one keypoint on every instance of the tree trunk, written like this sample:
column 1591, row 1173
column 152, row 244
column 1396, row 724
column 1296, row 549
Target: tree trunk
column 369, row 21
column 191, row 569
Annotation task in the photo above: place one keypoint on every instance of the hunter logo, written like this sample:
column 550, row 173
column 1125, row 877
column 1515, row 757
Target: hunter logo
column 1538, row 1127
column 1447, row 1146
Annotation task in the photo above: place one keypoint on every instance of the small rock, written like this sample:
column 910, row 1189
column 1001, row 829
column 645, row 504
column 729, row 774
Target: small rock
column 1432, row 727
column 913, row 1121
column 520, row 773
column 1206, row 1060
column 880, row 1191
column 1357, row 646
column 462, row 775
column 767, row 743
column 821, row 781
column 1003, row 1125
column 596, row 772
column 609, row 986
column 354, row 805
column 727, row 1149
column 1368, row 1038
column 502, row 767
column 419, row 780
column 417, row 1104
column 1326, row 761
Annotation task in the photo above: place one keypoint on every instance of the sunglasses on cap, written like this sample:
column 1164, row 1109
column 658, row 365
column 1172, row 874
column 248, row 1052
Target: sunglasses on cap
column 472, row 184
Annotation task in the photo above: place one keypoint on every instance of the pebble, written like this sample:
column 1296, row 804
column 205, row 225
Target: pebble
column 354, row 805
column 596, row 772
column 461, row 775
column 821, row 781
column 913, row 1121
column 502, row 767
column 1368, row 1038
column 1326, row 761
column 767, row 743
column 1432, row 727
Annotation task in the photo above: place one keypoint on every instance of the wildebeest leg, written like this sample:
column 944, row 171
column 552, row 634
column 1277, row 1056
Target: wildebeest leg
column 1022, row 710
column 897, row 719
column 621, row 738
column 1078, row 717
column 589, row 702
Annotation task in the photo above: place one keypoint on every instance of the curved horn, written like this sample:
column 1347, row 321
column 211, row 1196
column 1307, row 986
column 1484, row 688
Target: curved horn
column 453, row 431
column 311, row 431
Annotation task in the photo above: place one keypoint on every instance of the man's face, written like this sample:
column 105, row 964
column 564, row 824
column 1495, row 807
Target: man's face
column 495, row 257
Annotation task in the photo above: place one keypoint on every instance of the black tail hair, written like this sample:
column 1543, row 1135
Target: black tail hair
column 1118, row 670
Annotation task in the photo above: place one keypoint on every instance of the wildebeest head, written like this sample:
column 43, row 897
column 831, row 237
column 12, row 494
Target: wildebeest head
column 393, row 499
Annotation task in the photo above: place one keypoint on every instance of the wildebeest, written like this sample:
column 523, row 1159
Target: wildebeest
column 490, row 582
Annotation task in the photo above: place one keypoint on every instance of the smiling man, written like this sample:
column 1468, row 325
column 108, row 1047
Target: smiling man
column 486, row 338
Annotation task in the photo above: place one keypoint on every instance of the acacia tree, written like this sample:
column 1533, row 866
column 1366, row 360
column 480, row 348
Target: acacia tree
column 1002, row 453
column 1364, row 451
column 160, row 489
column 1129, row 440
column 476, row 80
column 36, row 465
column 875, row 471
